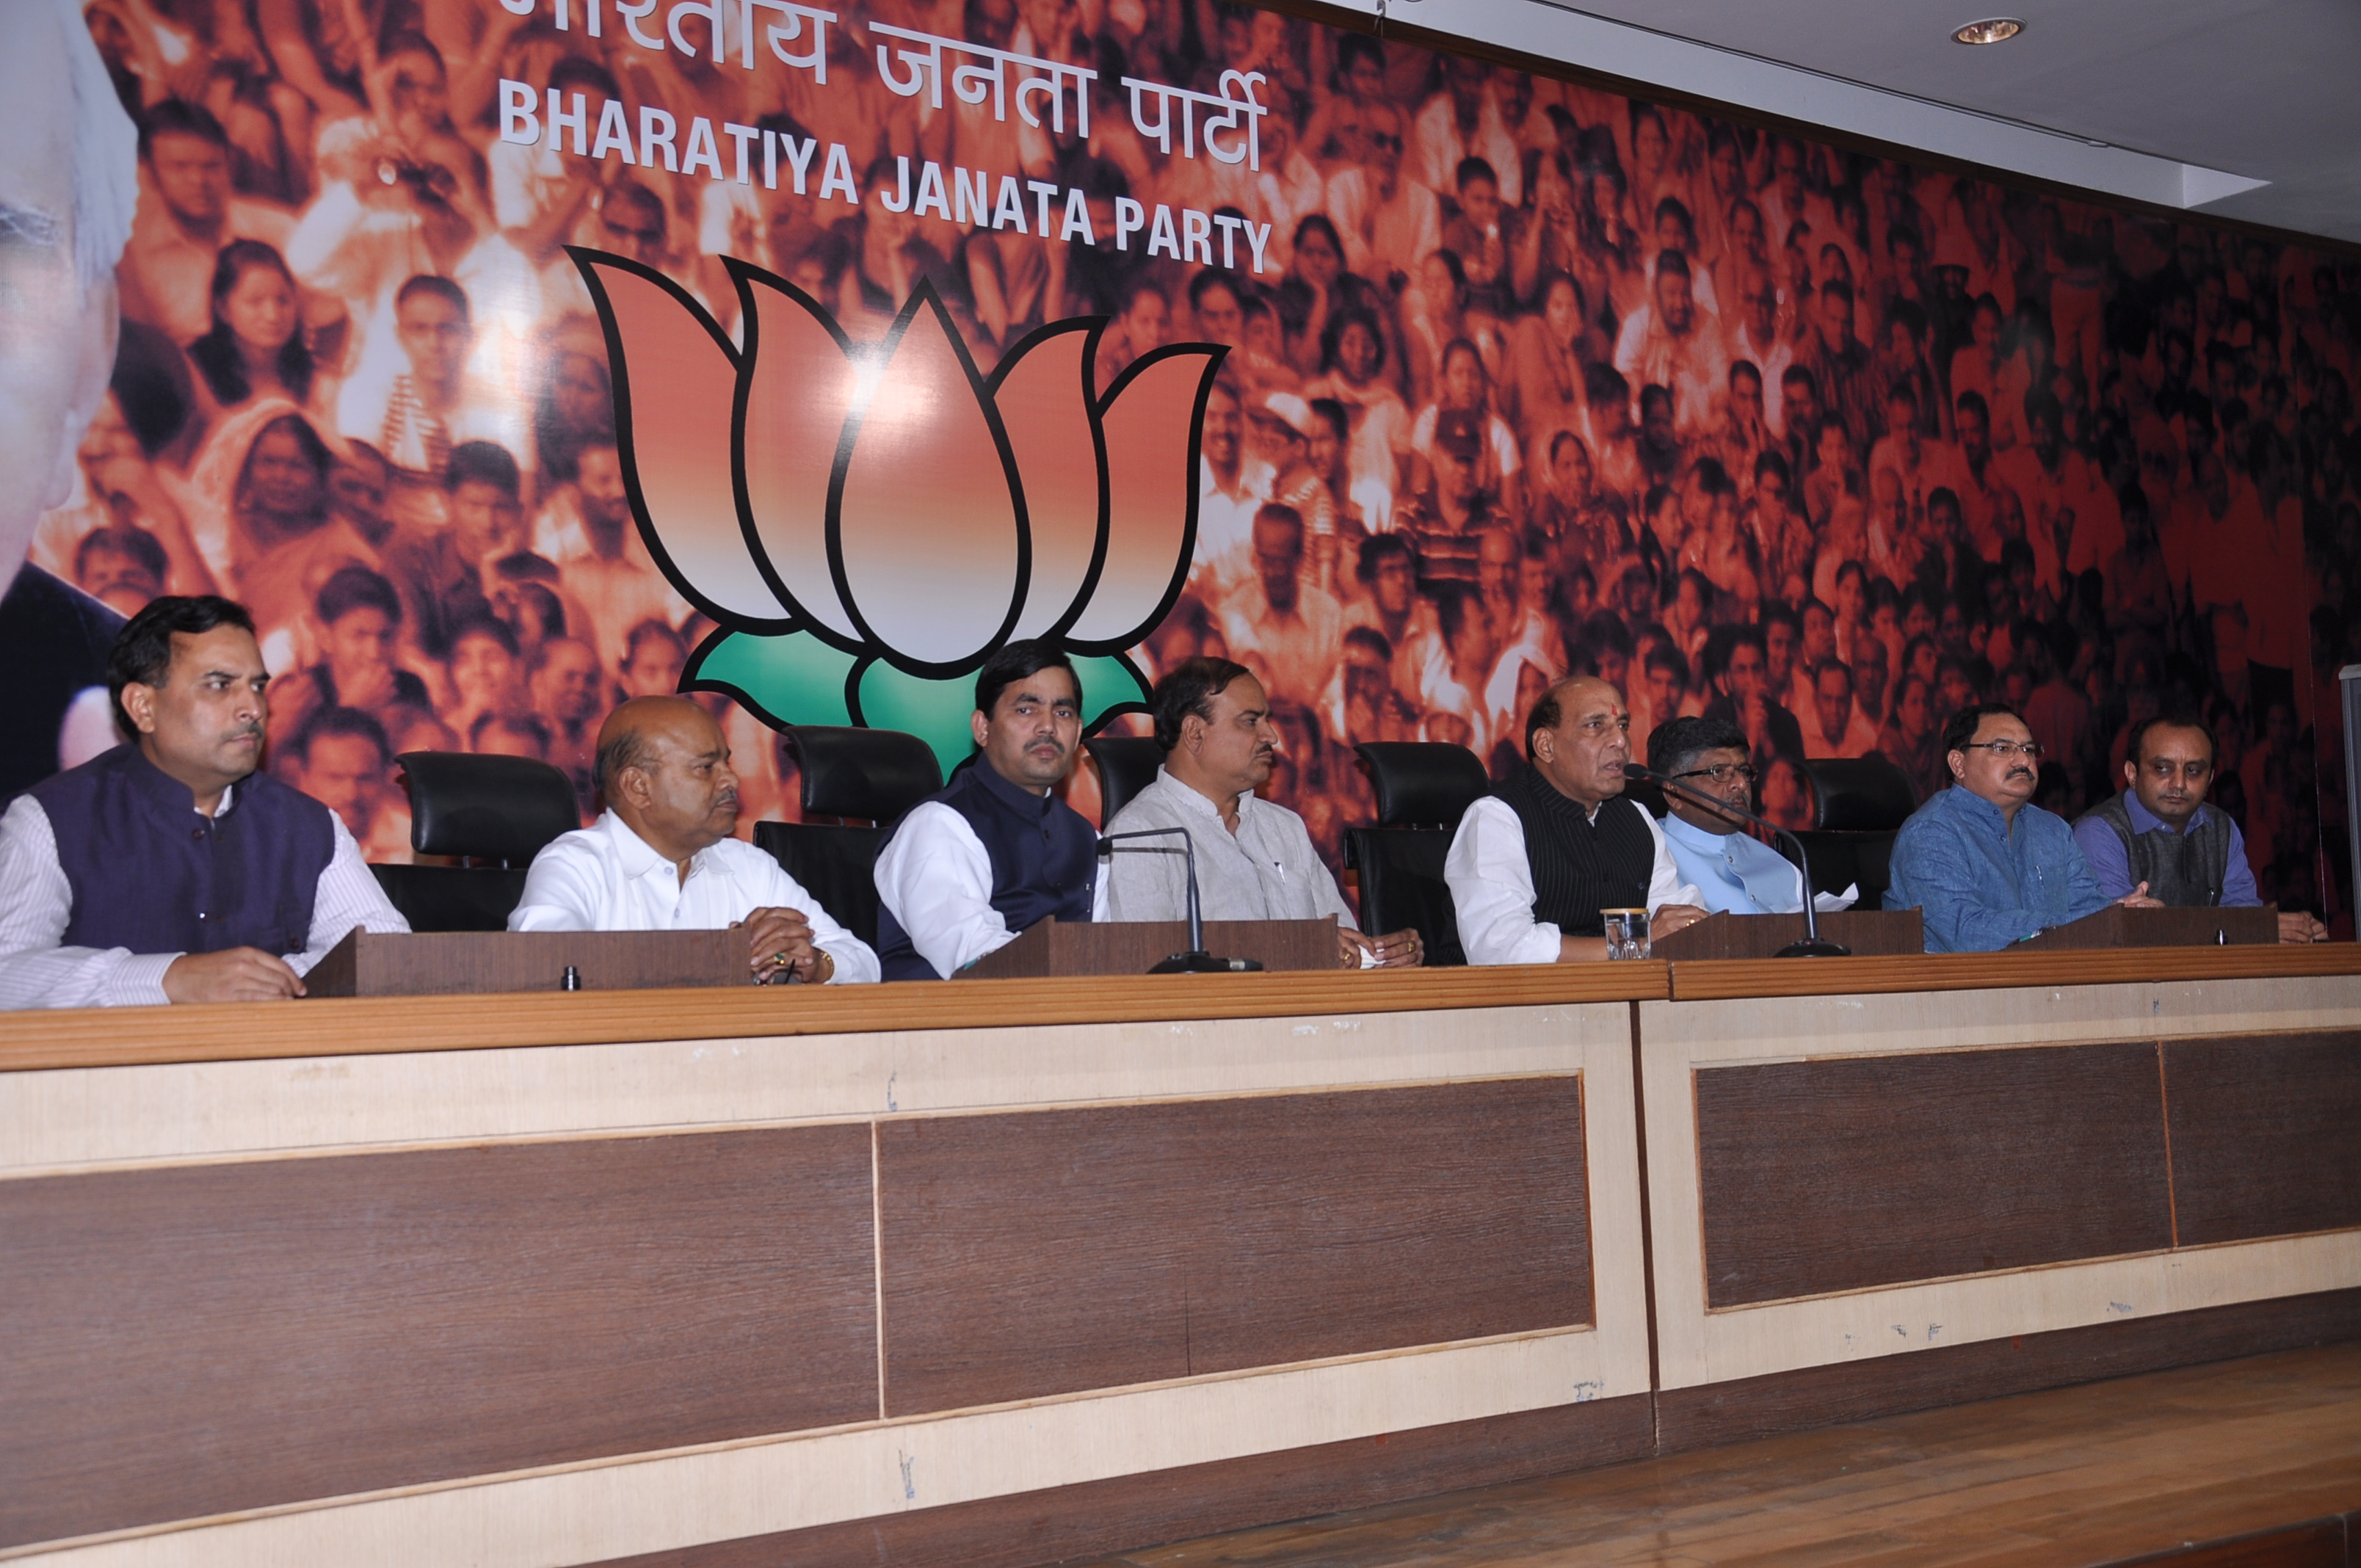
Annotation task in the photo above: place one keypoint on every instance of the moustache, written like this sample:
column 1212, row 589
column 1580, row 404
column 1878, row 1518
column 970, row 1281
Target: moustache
column 2020, row 772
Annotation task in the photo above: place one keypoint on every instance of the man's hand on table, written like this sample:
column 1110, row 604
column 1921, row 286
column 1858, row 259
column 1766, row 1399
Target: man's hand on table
column 1671, row 918
column 2295, row 926
column 1395, row 950
column 235, row 974
column 779, row 946
column 2137, row 898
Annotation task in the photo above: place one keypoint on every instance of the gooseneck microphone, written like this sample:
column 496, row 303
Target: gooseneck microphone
column 1811, row 947
column 1196, row 960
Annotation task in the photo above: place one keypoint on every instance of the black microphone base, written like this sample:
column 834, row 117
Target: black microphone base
column 1205, row 963
column 1814, row 948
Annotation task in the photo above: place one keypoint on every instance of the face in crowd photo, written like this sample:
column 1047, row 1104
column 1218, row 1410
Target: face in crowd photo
column 1524, row 379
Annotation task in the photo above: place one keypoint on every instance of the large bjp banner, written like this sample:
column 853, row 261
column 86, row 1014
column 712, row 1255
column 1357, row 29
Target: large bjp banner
column 512, row 356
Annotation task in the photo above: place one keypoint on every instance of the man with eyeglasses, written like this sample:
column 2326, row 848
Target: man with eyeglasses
column 1734, row 874
column 2160, row 834
column 1983, row 865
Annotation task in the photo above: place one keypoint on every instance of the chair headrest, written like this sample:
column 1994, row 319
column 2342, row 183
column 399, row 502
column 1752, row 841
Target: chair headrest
column 1860, row 794
column 486, row 808
column 1127, row 764
column 1422, row 781
column 876, row 774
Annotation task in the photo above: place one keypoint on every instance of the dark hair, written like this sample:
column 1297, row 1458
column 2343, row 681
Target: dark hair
column 440, row 286
column 481, row 625
column 177, row 117
column 356, row 587
column 1374, row 550
column 1210, row 279
column 1961, row 727
column 127, row 540
column 1676, row 743
column 487, row 461
column 143, row 648
column 315, row 451
column 1332, row 336
column 1332, row 413
column 515, row 723
column 1190, row 689
column 1015, row 660
column 216, row 354
column 1474, row 168
column 2175, row 719
column 329, row 721
column 577, row 71
column 627, row 748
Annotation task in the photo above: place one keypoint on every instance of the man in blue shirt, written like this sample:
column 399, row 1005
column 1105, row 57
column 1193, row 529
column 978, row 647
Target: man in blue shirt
column 1984, row 866
column 2161, row 832
column 1734, row 874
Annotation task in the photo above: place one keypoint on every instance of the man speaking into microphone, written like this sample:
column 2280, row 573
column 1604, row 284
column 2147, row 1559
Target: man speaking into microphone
column 1535, row 862
column 1733, row 873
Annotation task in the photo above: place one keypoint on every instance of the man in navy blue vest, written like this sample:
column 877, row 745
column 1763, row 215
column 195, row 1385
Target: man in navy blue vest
column 968, row 870
column 169, row 868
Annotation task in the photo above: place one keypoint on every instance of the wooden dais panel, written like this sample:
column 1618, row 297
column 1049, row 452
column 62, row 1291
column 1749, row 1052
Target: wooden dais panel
column 1041, row 1253
column 1841, row 1175
column 2266, row 1135
column 196, row 1341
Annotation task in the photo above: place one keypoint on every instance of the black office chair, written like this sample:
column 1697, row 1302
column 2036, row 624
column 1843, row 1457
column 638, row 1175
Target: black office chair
column 496, row 811
column 1127, row 764
column 1423, row 788
column 1858, row 806
column 868, row 776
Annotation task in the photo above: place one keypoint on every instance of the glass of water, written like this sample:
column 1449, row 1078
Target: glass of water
column 1627, row 933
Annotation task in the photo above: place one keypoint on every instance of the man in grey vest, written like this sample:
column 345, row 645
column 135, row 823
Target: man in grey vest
column 2161, row 832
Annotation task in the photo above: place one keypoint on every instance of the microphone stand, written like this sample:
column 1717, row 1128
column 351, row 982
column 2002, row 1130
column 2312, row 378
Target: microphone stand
column 1811, row 947
column 1196, row 960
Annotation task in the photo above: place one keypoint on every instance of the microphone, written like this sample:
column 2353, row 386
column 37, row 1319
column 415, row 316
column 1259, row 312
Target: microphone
column 1196, row 960
column 1811, row 947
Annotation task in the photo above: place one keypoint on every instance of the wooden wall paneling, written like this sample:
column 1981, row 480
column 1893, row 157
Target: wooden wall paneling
column 2266, row 1135
column 596, row 1510
column 1042, row 1253
column 1695, row 1346
column 114, row 1036
column 1839, row 1174
column 192, row 1342
column 71, row 1119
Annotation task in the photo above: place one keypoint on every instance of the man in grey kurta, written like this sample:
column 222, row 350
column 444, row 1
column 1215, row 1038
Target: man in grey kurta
column 1254, row 861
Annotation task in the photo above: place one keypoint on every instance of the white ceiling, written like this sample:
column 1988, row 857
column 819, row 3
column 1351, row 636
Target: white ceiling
column 2249, row 109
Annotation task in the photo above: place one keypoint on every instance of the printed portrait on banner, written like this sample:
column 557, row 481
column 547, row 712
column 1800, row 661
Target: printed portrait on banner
column 511, row 357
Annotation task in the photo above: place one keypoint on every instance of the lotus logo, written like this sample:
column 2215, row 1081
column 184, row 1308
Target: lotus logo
column 867, row 525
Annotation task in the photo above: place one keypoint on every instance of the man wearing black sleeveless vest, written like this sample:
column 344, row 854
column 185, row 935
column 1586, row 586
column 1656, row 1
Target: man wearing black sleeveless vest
column 969, row 869
column 169, row 868
column 2160, row 831
column 1535, row 862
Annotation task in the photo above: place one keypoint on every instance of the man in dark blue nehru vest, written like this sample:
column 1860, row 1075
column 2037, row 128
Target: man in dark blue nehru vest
column 169, row 868
column 968, row 870
column 1535, row 862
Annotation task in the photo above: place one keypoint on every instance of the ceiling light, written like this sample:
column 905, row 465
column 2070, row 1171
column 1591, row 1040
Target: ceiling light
column 1990, row 31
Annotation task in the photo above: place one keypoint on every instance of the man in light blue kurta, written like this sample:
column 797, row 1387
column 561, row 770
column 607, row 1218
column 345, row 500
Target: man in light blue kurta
column 1734, row 874
column 1986, row 868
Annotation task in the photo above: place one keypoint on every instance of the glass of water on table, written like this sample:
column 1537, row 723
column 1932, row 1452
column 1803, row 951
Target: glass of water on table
column 1627, row 933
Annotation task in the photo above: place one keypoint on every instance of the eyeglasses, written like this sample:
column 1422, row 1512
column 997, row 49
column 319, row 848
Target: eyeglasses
column 2029, row 750
column 1722, row 772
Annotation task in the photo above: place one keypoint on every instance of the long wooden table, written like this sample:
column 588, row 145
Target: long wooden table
column 1008, row 1271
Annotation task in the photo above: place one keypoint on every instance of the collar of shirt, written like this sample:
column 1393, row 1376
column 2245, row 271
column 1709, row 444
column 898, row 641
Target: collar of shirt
column 2146, row 821
column 1695, row 838
column 167, row 794
column 1977, row 813
column 1190, row 799
column 639, row 859
column 1032, row 807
